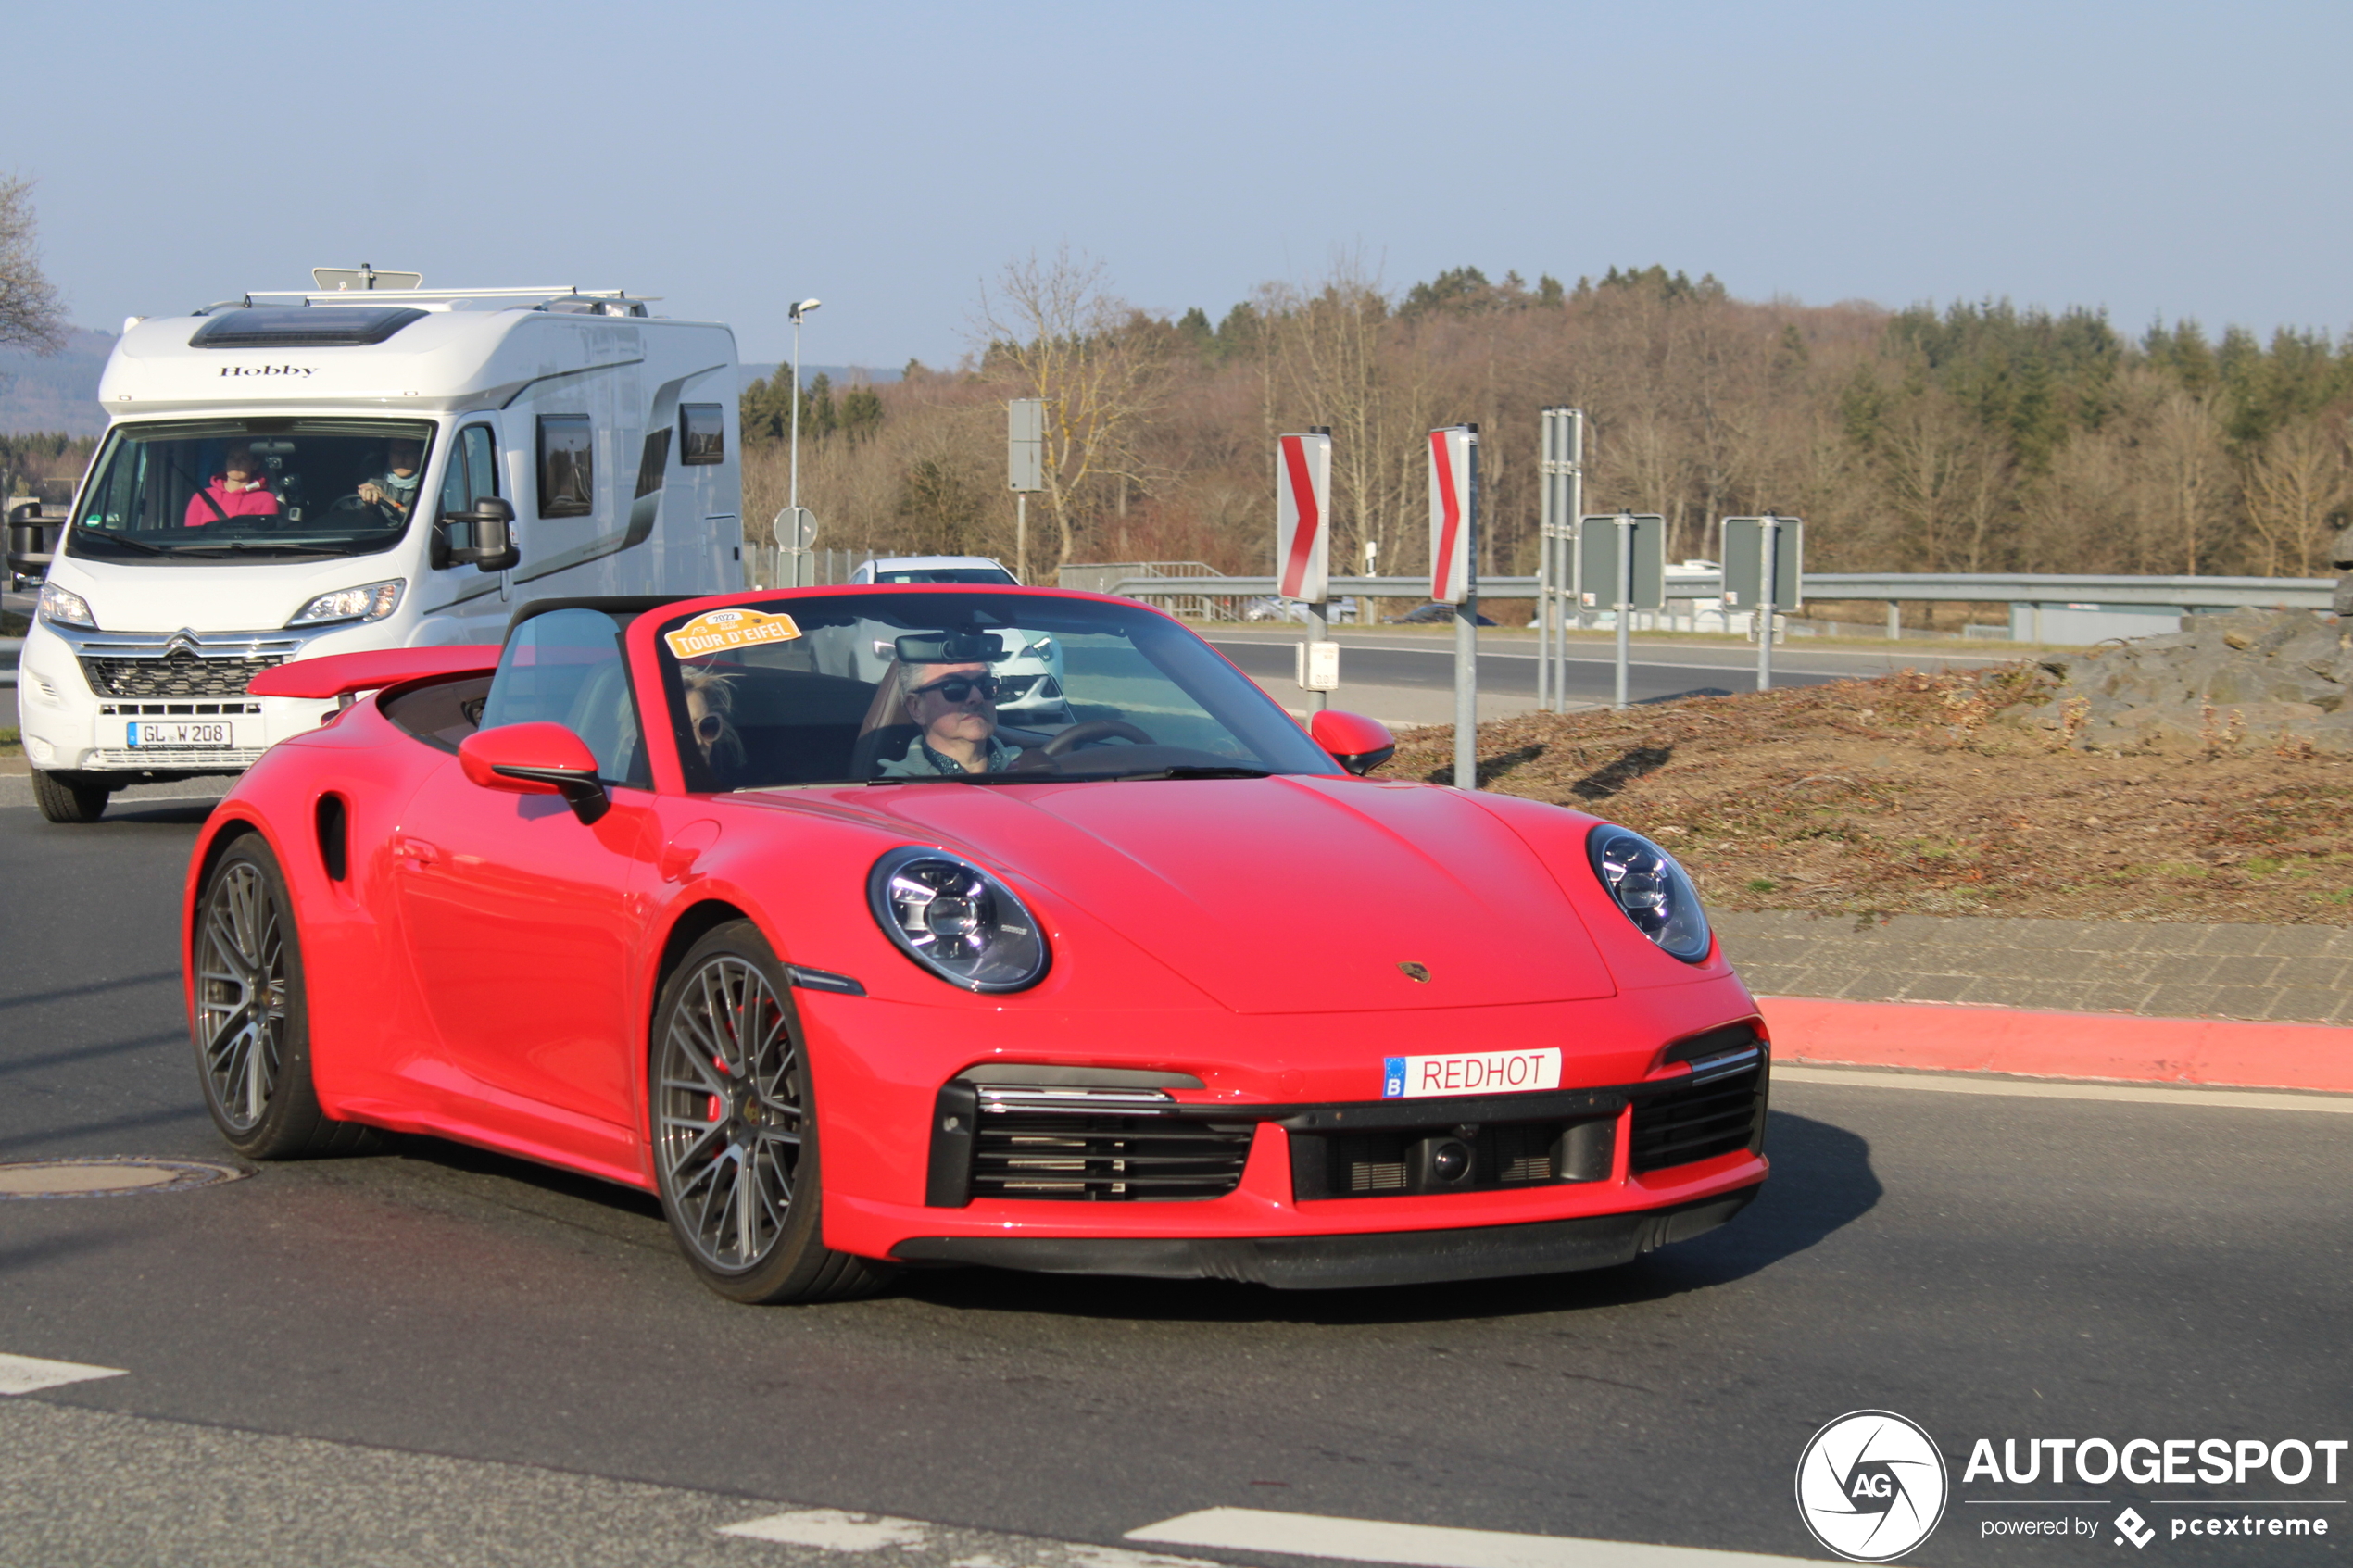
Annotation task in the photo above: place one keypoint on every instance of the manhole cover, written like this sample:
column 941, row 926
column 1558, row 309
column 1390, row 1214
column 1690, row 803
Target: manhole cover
column 107, row 1178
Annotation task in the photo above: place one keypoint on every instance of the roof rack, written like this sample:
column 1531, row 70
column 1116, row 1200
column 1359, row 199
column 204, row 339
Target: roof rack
column 558, row 298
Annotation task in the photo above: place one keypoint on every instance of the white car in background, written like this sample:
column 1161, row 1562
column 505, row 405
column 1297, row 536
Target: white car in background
column 935, row 569
column 1030, row 676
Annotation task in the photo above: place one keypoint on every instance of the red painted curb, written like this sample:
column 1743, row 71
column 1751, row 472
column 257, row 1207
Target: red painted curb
column 2061, row 1044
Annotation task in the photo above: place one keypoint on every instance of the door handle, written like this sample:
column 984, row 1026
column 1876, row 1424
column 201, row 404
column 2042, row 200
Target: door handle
column 416, row 853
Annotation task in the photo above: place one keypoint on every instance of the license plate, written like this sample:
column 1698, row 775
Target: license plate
column 217, row 733
column 1470, row 1072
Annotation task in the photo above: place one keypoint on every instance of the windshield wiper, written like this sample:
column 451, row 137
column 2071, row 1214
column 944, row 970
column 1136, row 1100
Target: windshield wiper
column 257, row 547
column 101, row 535
column 1191, row 770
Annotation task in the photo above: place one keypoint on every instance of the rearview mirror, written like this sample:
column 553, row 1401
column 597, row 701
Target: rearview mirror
column 490, row 536
column 1356, row 743
column 536, row 758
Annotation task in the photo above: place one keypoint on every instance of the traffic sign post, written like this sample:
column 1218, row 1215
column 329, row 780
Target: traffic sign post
column 1025, row 469
column 1302, row 550
column 795, row 529
column 1563, row 474
column 1765, row 572
column 1453, row 577
column 1623, row 556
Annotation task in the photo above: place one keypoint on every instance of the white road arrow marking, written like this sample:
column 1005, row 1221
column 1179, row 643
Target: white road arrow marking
column 1427, row 1546
column 27, row 1374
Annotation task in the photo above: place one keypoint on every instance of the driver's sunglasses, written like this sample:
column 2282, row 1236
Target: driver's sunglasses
column 958, row 687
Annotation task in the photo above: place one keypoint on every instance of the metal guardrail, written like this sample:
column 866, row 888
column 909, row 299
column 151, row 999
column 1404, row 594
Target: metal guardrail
column 2188, row 593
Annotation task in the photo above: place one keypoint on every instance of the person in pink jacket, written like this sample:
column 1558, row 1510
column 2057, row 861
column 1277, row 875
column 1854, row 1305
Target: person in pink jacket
column 238, row 492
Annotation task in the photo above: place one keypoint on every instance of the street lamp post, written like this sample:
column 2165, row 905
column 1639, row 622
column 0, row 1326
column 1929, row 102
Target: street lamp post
column 802, row 308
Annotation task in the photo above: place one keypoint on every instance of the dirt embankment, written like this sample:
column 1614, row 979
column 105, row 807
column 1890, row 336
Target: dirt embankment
column 1916, row 794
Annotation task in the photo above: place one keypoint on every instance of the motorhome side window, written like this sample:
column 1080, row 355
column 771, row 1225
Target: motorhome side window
column 704, row 427
column 472, row 475
column 567, row 466
column 252, row 489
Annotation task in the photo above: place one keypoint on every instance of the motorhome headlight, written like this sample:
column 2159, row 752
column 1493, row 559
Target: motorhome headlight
column 372, row 602
column 63, row 607
column 1645, row 881
column 956, row 921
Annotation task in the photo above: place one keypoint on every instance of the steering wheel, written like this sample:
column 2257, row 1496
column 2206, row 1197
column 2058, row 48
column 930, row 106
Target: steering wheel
column 1093, row 730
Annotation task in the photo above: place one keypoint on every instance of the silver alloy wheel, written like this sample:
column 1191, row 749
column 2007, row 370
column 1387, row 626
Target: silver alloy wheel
column 727, row 1117
column 241, row 995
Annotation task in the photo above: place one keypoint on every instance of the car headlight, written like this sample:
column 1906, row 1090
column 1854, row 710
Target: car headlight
column 63, row 607
column 957, row 921
column 1646, row 882
column 372, row 602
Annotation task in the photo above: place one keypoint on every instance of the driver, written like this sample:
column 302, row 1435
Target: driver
column 954, row 712
column 394, row 492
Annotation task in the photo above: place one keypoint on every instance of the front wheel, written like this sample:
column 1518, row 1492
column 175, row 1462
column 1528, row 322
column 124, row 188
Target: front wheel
column 735, row 1129
column 70, row 797
column 252, row 1018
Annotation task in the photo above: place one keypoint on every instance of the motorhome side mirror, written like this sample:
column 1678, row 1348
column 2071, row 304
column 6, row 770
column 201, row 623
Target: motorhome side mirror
column 491, row 527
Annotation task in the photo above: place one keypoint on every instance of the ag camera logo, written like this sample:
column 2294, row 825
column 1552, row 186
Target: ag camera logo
column 1872, row 1486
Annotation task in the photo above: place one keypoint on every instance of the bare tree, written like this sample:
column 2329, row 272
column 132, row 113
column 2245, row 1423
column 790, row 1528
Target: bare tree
column 2188, row 470
column 30, row 314
column 1063, row 338
column 2293, row 481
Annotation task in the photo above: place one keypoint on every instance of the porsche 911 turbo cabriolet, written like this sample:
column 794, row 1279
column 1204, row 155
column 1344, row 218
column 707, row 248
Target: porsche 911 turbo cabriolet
column 759, row 903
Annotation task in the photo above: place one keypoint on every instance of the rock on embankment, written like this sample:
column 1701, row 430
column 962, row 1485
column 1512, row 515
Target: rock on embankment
column 2249, row 672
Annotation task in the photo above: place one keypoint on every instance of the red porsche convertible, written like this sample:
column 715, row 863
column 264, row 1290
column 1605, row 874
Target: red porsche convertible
column 881, row 927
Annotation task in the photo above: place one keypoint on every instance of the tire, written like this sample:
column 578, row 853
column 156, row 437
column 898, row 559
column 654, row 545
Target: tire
column 735, row 1130
column 70, row 797
column 252, row 1024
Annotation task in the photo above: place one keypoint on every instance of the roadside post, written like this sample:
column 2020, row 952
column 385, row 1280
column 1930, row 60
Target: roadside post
column 795, row 529
column 1563, row 470
column 1453, row 576
column 1302, row 551
column 1764, row 572
column 1624, row 557
column 1024, row 471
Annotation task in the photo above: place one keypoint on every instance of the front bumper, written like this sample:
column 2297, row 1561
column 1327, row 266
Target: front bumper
column 1334, row 1262
column 79, row 692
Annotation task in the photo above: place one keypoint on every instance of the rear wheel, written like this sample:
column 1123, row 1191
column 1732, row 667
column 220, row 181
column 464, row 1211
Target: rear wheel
column 735, row 1130
column 252, row 1021
column 70, row 797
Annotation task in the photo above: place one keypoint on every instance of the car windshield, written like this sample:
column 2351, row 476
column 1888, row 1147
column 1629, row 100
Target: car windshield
column 882, row 687
column 217, row 490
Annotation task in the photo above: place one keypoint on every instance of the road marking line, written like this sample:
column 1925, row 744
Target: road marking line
column 27, row 1374
column 832, row 1530
column 1426, row 1546
column 2219, row 1100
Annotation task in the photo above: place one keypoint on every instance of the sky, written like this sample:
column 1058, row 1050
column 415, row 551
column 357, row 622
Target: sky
column 2153, row 159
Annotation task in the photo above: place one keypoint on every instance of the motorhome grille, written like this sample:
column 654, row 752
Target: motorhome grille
column 1107, row 1158
column 1684, row 1125
column 180, row 675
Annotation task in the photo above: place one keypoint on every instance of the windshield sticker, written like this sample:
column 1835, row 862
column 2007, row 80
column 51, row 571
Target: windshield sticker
column 716, row 630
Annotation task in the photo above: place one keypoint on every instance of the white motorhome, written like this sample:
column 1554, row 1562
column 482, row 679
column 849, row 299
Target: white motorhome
column 285, row 476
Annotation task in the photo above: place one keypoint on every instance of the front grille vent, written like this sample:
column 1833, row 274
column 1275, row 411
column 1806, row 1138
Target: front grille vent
column 1715, row 1115
column 1098, row 1146
column 179, row 675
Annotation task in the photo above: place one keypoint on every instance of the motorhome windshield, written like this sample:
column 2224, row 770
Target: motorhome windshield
column 258, row 489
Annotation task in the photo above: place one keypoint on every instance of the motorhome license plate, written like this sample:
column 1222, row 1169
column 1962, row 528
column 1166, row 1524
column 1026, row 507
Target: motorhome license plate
column 1470, row 1072
column 147, row 733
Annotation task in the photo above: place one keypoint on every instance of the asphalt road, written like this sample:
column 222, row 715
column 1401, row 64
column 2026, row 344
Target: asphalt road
column 1657, row 670
column 436, row 1355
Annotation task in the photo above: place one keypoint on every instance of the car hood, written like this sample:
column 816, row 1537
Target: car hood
column 1285, row 895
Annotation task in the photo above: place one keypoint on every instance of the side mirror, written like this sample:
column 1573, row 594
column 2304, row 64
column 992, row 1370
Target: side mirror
column 538, row 758
column 1356, row 743
column 491, row 544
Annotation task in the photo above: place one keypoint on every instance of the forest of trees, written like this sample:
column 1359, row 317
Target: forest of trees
column 1980, row 437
